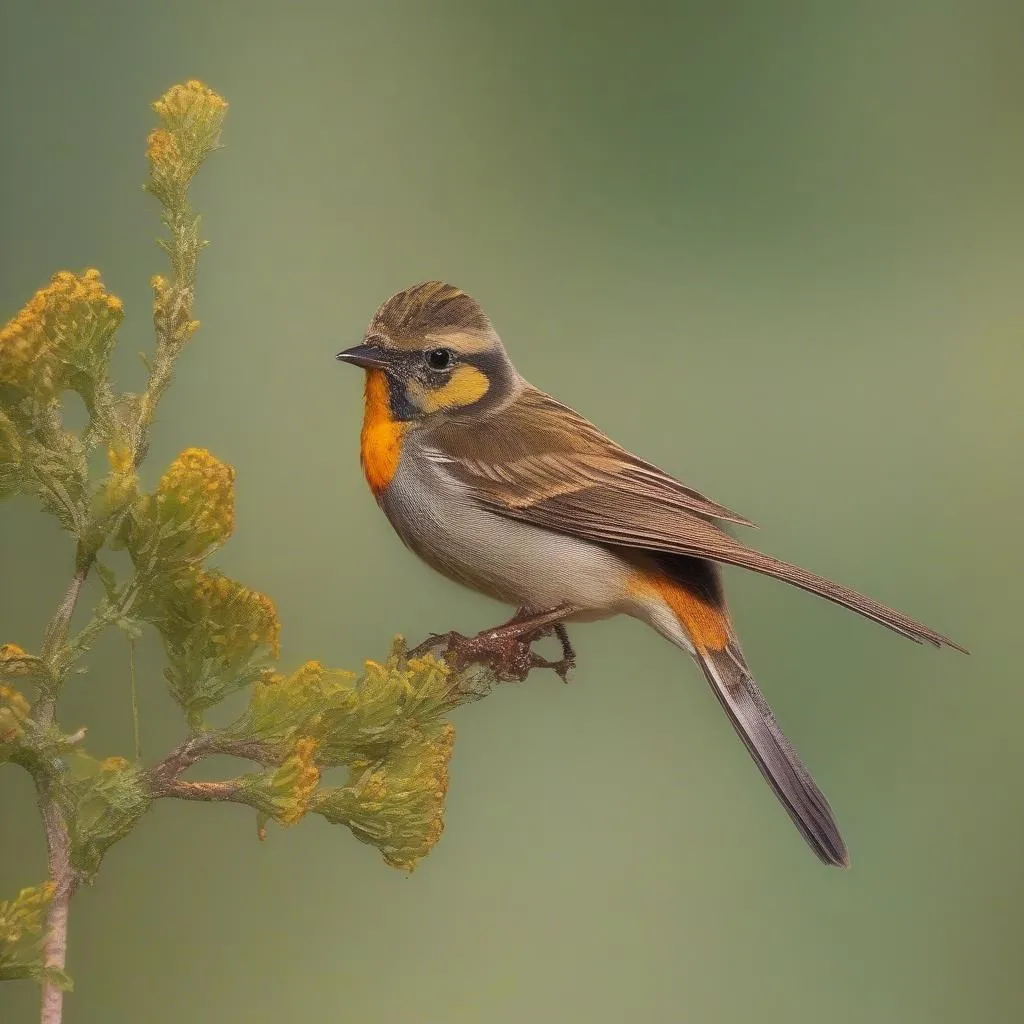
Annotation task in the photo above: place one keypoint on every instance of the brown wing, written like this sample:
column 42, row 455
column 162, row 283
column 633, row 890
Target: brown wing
column 539, row 449
column 543, row 463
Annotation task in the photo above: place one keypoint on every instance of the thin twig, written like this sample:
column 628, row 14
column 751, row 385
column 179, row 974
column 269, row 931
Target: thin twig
column 56, row 636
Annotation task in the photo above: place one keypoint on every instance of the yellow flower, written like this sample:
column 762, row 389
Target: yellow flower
column 13, row 660
column 191, row 100
column 14, row 715
column 311, row 701
column 24, row 914
column 217, row 633
column 16, row 665
column 122, row 481
column 237, row 619
column 14, row 699
column 69, row 319
column 297, row 778
column 161, row 148
column 120, row 460
column 161, row 286
column 284, row 794
column 397, row 805
column 193, row 507
column 190, row 116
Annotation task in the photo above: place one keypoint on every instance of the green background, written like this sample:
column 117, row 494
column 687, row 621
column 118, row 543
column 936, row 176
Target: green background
column 775, row 248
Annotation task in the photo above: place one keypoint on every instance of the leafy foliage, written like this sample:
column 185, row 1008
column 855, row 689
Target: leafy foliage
column 385, row 726
column 21, row 926
column 102, row 804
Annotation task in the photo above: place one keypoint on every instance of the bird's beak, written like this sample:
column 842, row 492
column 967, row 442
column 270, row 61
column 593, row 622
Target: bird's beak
column 366, row 356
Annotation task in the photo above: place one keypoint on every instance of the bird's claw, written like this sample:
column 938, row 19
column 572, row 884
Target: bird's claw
column 561, row 668
column 507, row 650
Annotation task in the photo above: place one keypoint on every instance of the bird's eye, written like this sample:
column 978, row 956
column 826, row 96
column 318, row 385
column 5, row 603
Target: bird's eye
column 439, row 358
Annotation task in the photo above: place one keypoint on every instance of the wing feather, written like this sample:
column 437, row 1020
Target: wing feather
column 542, row 463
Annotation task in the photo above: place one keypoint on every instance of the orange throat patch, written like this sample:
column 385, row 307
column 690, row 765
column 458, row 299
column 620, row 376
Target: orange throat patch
column 380, row 442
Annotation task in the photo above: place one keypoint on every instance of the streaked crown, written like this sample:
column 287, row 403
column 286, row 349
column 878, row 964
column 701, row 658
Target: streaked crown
column 428, row 310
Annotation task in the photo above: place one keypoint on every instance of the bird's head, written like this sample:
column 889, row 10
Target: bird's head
column 438, row 353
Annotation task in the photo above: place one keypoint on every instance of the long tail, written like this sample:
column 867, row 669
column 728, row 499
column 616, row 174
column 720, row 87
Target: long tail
column 774, row 755
column 748, row 558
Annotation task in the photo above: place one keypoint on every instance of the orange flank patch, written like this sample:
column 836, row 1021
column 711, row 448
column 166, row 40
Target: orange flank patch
column 706, row 625
column 380, row 442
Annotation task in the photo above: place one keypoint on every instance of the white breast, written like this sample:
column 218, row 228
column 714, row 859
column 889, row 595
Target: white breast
column 515, row 562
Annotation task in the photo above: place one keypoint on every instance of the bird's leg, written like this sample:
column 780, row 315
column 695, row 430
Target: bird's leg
column 526, row 627
column 506, row 649
column 532, row 627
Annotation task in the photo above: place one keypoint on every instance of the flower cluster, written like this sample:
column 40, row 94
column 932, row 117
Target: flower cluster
column 191, row 116
column 121, row 484
column 21, row 925
column 14, row 718
column 191, row 512
column 189, row 104
column 385, row 727
column 237, row 619
column 103, row 804
column 13, row 660
column 170, row 313
column 162, row 149
column 66, row 329
column 217, row 634
column 282, row 707
column 198, row 489
column 355, row 721
column 18, row 664
column 396, row 804
column 284, row 794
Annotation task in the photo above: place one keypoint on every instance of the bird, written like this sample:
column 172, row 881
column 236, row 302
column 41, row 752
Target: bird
column 503, row 489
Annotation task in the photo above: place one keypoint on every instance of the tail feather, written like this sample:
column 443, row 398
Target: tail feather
column 748, row 558
column 774, row 755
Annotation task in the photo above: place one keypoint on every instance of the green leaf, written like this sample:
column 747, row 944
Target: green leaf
column 103, row 805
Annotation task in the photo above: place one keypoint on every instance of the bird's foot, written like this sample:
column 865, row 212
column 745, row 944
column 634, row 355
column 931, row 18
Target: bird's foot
column 507, row 650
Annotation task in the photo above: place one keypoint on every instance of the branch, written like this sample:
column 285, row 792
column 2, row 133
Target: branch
column 58, row 841
column 57, row 634
column 164, row 778
column 211, row 792
column 164, row 775
column 58, row 856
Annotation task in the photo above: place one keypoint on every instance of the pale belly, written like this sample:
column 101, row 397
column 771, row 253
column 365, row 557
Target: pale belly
column 517, row 563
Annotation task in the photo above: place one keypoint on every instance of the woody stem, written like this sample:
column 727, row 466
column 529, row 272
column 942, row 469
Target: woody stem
column 58, row 854
column 58, row 840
